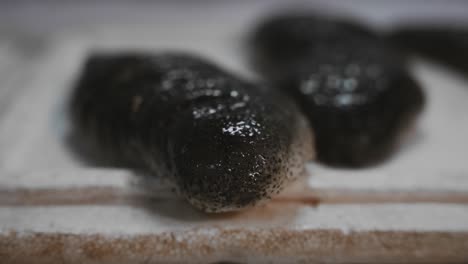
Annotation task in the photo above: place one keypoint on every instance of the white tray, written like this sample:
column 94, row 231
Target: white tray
column 57, row 205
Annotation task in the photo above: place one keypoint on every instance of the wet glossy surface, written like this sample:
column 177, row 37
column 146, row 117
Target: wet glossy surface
column 448, row 45
column 353, row 88
column 226, row 143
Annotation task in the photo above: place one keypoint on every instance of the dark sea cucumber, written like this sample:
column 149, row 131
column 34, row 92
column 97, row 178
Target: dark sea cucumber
column 353, row 87
column 226, row 143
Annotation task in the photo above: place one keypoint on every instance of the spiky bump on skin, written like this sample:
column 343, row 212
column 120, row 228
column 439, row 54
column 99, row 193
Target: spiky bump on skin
column 353, row 88
column 226, row 143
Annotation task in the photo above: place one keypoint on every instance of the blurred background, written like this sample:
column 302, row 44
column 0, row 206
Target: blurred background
column 52, row 15
column 200, row 21
column 169, row 24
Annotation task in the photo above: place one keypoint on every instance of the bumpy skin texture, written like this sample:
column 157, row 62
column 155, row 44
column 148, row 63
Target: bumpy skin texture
column 226, row 143
column 447, row 45
column 352, row 87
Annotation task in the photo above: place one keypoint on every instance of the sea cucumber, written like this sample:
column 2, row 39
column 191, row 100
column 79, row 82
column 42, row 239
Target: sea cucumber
column 226, row 143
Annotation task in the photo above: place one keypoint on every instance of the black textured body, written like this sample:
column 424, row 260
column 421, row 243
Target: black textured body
column 226, row 143
column 281, row 42
column 353, row 88
column 448, row 45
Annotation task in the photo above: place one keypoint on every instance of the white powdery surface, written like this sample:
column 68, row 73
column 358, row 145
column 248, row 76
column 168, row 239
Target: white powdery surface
column 127, row 220
column 59, row 178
